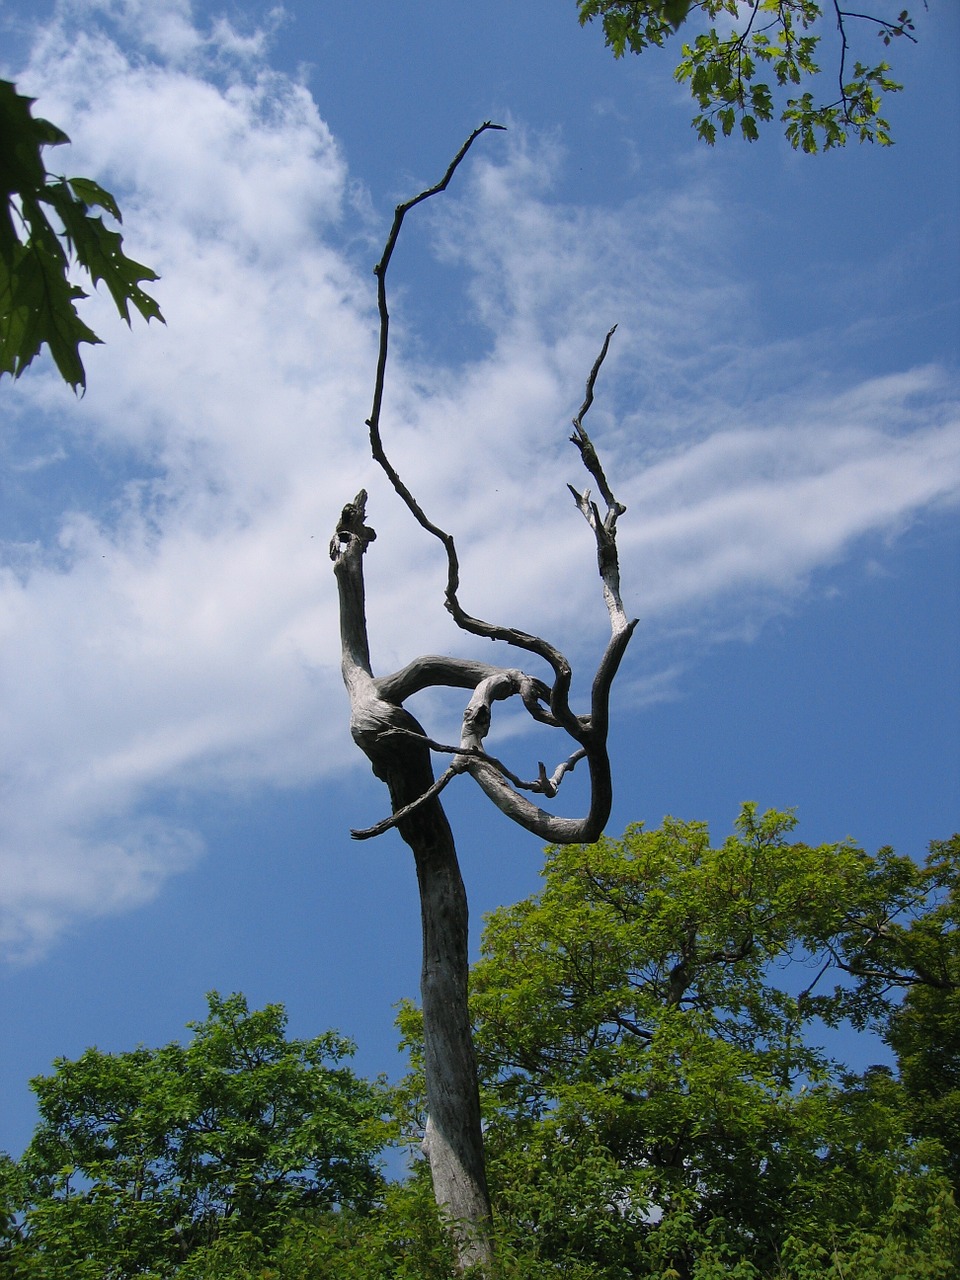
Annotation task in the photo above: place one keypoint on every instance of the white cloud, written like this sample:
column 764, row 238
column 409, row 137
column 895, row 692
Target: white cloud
column 178, row 626
column 765, row 507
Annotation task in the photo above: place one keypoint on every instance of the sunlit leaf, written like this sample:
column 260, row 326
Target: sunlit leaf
column 720, row 62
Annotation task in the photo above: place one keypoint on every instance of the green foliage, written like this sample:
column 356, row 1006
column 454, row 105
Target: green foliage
column 657, row 1103
column 747, row 54
column 402, row 1238
column 924, row 1029
column 37, row 297
column 142, row 1158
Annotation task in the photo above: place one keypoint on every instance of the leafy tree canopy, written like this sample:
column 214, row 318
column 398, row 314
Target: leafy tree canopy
column 922, row 955
column 659, row 1102
column 749, row 56
column 142, row 1158
column 37, row 297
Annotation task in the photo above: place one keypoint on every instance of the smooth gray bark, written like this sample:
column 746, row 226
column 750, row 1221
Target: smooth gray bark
column 400, row 752
column 454, row 1142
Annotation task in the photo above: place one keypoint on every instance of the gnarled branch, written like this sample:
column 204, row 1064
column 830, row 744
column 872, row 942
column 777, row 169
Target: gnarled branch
column 547, row 704
column 400, row 753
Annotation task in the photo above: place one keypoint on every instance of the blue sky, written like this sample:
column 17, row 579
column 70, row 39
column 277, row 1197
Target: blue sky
column 780, row 412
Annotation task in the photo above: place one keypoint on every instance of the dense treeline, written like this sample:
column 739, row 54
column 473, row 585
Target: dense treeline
column 658, row 1101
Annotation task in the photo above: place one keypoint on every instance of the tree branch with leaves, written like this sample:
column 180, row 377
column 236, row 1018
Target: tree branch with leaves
column 738, row 41
column 37, row 294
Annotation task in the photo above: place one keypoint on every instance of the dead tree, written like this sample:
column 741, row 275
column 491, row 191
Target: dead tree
column 400, row 752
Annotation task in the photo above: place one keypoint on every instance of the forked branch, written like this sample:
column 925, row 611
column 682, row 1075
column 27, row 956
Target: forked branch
column 378, row 700
column 400, row 753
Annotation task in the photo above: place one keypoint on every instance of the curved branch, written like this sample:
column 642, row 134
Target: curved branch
column 893, row 29
column 543, row 785
column 842, row 70
column 380, row 271
column 433, row 670
column 378, row 701
column 476, row 626
column 548, row 826
column 887, row 29
column 608, row 561
column 379, row 828
column 497, row 787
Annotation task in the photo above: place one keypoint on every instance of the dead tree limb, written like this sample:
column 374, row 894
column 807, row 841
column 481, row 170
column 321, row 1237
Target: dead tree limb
column 402, row 762
column 400, row 753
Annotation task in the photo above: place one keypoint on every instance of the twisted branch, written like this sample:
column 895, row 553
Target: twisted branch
column 378, row 718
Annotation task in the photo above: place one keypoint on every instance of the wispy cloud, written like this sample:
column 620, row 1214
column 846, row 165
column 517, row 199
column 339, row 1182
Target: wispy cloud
column 171, row 621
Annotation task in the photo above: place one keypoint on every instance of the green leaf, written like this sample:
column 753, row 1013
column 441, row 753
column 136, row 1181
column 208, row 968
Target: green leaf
column 92, row 194
column 21, row 138
column 37, row 298
column 100, row 252
column 719, row 63
column 37, row 308
column 675, row 11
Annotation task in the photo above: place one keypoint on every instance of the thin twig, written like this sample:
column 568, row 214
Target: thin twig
column 583, row 442
column 378, row 829
column 520, row 639
column 484, row 757
column 841, row 74
column 380, row 271
column 895, row 28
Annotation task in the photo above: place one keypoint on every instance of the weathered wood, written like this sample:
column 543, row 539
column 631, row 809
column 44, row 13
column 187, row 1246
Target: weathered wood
column 454, row 1142
column 400, row 752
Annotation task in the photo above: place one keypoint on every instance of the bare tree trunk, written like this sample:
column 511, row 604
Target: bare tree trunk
column 396, row 746
column 454, row 1142
column 400, row 753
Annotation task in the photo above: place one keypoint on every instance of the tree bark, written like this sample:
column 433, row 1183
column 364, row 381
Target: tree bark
column 395, row 744
column 399, row 752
